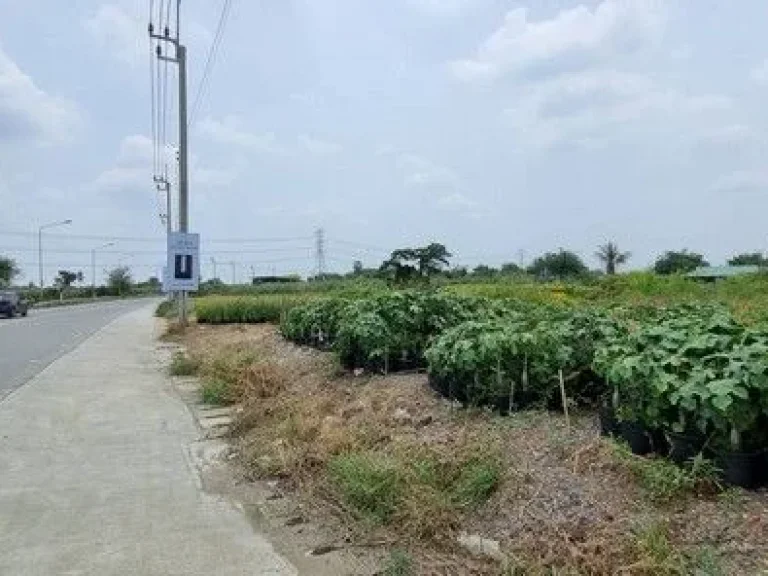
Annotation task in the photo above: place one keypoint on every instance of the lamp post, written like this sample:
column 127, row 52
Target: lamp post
column 40, row 248
column 93, row 267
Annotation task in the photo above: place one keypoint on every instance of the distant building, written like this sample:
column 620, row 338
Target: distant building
column 713, row 273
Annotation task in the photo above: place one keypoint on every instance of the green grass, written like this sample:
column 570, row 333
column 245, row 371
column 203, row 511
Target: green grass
column 183, row 365
column 414, row 484
column 664, row 481
column 475, row 483
column 216, row 392
column 369, row 483
column 246, row 309
column 399, row 563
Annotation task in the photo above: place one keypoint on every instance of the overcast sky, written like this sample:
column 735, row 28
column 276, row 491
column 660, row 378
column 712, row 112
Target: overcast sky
column 502, row 129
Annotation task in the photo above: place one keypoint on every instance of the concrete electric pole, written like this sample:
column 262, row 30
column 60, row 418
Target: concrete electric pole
column 180, row 59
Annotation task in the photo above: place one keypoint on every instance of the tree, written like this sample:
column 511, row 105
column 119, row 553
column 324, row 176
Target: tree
column 119, row 280
column 610, row 255
column 749, row 259
column 510, row 269
column 678, row 262
column 484, row 271
column 561, row 264
column 65, row 279
column 457, row 272
column 406, row 264
column 357, row 268
column 432, row 259
column 8, row 270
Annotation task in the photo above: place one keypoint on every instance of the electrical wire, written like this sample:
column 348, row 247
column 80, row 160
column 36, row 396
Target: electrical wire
column 210, row 61
column 163, row 151
column 152, row 84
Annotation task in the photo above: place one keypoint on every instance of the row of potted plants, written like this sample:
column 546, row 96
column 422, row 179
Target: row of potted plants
column 691, row 383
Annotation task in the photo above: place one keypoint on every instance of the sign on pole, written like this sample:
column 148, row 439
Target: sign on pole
column 183, row 262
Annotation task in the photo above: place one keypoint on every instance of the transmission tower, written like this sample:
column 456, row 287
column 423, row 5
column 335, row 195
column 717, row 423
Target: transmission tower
column 320, row 252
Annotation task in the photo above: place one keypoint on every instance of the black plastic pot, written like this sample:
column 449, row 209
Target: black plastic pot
column 609, row 425
column 683, row 447
column 638, row 438
column 746, row 470
column 659, row 442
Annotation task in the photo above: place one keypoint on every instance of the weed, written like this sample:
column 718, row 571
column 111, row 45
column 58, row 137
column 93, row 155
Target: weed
column 166, row 309
column 216, row 392
column 399, row 563
column 476, row 482
column 656, row 553
column 664, row 481
column 369, row 483
column 183, row 365
column 705, row 562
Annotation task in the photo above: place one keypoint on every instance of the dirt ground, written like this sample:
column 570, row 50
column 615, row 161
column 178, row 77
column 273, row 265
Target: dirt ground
column 566, row 504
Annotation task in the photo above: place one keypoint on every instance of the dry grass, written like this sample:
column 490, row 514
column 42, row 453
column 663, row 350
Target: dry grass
column 396, row 463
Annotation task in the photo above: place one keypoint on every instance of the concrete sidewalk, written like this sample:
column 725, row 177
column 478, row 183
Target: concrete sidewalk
column 95, row 478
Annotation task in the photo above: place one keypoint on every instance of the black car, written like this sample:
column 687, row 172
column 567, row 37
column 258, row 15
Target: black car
column 12, row 303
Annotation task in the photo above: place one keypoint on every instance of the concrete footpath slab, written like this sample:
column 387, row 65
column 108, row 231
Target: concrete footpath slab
column 95, row 477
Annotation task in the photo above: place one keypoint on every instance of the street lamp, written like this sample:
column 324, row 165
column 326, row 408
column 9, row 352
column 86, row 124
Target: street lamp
column 40, row 247
column 93, row 267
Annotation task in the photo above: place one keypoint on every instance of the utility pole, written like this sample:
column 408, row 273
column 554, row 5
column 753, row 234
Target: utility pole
column 180, row 59
column 320, row 252
column 234, row 272
column 213, row 261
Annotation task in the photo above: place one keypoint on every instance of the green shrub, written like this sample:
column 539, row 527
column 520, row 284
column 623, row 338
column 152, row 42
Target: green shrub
column 166, row 309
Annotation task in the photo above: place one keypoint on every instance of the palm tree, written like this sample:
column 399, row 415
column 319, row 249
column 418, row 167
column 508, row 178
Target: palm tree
column 610, row 255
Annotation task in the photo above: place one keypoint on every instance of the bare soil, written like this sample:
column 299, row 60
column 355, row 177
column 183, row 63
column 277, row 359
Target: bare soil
column 566, row 503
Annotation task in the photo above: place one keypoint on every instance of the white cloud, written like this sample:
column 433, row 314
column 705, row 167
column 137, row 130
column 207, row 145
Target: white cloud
column 213, row 177
column 317, row 147
column 228, row 131
column 132, row 170
column 114, row 30
column 27, row 112
column 739, row 180
column 577, row 106
column 759, row 73
column 136, row 150
column 441, row 7
column 457, row 201
column 422, row 172
column 520, row 42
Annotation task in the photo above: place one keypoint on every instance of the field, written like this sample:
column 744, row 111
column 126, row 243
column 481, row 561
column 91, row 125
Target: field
column 416, row 416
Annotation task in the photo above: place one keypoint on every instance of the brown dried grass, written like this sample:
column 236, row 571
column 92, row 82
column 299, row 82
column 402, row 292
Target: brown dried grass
column 566, row 505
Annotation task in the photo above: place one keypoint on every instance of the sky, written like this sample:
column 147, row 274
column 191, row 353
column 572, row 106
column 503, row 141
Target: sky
column 501, row 129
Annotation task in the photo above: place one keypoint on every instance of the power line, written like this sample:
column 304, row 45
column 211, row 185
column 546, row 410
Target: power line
column 152, row 84
column 158, row 239
column 210, row 60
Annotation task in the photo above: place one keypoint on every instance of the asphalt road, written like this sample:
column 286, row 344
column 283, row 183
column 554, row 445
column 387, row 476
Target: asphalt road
column 28, row 345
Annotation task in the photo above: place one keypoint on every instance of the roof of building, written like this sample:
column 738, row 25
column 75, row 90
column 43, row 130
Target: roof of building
column 723, row 271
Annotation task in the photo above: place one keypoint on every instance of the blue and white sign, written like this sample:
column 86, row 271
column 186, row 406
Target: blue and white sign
column 183, row 272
